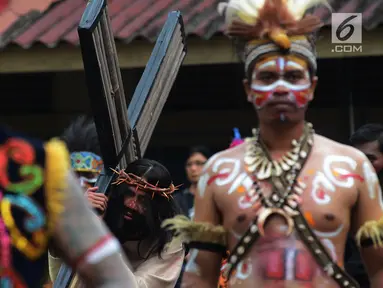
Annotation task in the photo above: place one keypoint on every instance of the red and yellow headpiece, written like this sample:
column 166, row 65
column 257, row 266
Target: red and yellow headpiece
column 269, row 26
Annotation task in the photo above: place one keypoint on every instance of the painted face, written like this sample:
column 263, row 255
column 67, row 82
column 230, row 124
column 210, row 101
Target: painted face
column 87, row 166
column 281, row 80
column 87, row 179
column 194, row 166
column 134, row 202
column 371, row 150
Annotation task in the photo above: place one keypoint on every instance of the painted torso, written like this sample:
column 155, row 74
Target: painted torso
column 276, row 260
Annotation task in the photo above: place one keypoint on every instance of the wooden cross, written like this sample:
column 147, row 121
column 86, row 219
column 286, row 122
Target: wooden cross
column 124, row 133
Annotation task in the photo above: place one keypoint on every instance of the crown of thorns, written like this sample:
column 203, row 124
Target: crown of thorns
column 140, row 183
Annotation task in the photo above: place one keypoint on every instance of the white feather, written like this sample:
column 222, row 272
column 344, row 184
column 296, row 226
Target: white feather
column 299, row 7
column 249, row 8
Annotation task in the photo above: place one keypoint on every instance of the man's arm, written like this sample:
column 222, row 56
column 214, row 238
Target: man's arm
column 369, row 208
column 203, row 268
column 86, row 244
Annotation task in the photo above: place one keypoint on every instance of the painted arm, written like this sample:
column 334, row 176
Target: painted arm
column 369, row 210
column 160, row 273
column 203, row 268
column 86, row 243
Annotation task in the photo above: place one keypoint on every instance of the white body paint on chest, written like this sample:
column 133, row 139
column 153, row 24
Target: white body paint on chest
column 204, row 178
column 231, row 167
column 328, row 181
column 372, row 182
column 325, row 238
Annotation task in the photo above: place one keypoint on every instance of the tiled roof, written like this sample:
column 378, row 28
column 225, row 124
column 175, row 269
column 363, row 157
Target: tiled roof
column 17, row 15
column 133, row 19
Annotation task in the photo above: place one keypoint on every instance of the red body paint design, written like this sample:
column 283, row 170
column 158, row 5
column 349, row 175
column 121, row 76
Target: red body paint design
column 351, row 175
column 274, row 264
column 218, row 176
column 303, row 267
column 301, row 99
column 287, row 264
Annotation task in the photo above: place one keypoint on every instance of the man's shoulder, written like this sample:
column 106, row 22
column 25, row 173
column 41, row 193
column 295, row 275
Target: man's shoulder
column 228, row 155
column 331, row 147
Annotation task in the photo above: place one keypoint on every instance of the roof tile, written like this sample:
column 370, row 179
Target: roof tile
column 138, row 18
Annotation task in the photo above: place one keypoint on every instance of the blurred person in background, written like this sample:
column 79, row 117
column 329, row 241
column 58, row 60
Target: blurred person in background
column 197, row 157
column 369, row 140
column 82, row 141
column 42, row 204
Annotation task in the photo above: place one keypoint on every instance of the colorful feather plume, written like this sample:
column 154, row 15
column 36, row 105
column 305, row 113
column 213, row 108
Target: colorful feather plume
column 273, row 19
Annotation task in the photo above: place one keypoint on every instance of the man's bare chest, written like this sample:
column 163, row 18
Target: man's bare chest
column 330, row 191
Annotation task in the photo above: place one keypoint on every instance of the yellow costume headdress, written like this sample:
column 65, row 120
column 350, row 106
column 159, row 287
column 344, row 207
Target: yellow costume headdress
column 270, row 26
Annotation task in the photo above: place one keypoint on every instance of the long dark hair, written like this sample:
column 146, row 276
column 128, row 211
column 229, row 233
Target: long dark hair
column 158, row 208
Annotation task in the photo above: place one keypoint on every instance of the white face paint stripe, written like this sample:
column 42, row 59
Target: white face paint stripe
column 295, row 65
column 282, row 83
column 267, row 64
column 281, row 63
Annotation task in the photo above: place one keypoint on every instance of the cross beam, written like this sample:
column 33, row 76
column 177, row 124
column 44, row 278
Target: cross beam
column 124, row 134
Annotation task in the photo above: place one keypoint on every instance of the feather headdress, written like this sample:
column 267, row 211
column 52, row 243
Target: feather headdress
column 277, row 21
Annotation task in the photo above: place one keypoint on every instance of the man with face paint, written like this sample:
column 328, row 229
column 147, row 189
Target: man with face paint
column 284, row 201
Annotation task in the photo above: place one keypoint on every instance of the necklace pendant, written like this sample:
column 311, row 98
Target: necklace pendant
column 265, row 213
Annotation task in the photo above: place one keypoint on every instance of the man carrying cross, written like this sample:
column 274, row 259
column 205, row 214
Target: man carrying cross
column 284, row 201
column 139, row 199
column 133, row 211
column 124, row 132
